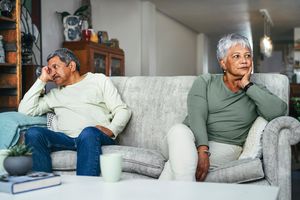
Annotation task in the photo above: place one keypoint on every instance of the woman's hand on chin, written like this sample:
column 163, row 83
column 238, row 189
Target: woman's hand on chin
column 245, row 79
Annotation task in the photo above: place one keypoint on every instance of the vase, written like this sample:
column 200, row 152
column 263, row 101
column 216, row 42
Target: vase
column 27, row 41
column 6, row 8
column 18, row 165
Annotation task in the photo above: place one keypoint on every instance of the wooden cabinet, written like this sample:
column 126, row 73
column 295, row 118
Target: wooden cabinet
column 11, row 70
column 294, row 99
column 98, row 58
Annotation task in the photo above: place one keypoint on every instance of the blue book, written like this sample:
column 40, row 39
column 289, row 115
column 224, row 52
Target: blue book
column 29, row 182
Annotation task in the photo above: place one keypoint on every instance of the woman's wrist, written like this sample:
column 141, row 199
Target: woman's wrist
column 203, row 150
column 247, row 86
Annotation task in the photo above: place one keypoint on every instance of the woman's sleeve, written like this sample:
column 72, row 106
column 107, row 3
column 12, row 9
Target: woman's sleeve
column 269, row 106
column 198, row 111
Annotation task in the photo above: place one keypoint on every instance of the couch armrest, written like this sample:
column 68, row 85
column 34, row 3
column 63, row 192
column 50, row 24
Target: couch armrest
column 279, row 135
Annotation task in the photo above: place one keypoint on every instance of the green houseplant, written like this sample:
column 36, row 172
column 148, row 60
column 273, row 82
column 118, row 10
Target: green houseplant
column 19, row 160
column 295, row 104
column 81, row 12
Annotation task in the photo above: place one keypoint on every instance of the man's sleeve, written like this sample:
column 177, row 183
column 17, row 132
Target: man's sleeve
column 32, row 103
column 119, row 110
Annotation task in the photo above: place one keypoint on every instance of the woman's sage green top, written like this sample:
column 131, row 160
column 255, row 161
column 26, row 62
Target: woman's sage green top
column 218, row 114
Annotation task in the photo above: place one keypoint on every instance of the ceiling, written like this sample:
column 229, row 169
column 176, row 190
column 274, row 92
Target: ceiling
column 216, row 17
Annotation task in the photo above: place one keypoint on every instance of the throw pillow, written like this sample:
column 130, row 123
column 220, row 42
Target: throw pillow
column 238, row 171
column 136, row 160
column 142, row 161
column 50, row 117
column 52, row 121
column 253, row 145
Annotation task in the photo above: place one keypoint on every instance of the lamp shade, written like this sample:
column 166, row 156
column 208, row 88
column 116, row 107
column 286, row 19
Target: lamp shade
column 266, row 46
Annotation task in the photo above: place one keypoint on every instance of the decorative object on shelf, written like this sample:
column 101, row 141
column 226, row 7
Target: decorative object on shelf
column 6, row 8
column 114, row 43
column 73, row 24
column 103, row 37
column 27, row 41
column 266, row 45
column 86, row 34
column 72, row 28
column 2, row 52
column 94, row 36
column 18, row 161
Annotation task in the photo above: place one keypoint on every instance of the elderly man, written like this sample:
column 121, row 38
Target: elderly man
column 89, row 113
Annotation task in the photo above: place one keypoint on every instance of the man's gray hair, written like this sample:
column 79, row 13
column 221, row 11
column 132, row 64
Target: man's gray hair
column 66, row 56
column 227, row 41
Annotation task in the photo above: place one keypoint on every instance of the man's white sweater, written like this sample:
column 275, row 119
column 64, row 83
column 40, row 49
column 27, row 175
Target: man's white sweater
column 92, row 101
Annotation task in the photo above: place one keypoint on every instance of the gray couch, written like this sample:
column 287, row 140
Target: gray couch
column 157, row 103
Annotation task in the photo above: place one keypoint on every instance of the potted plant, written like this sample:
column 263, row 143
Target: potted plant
column 295, row 105
column 19, row 160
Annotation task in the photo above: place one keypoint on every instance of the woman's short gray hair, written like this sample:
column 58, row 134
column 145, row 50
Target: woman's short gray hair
column 66, row 56
column 227, row 41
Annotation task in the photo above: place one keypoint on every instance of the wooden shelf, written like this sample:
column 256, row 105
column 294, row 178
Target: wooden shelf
column 7, row 109
column 11, row 71
column 7, row 19
column 8, row 64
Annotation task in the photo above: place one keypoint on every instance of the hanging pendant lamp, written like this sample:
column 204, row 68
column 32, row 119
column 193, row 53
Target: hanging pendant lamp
column 266, row 45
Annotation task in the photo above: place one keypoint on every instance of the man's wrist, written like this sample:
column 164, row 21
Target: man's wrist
column 42, row 79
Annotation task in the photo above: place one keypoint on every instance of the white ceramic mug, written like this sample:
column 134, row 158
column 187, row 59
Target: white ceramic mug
column 111, row 167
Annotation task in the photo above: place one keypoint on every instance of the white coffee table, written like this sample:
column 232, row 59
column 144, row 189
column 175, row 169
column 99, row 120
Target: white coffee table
column 85, row 188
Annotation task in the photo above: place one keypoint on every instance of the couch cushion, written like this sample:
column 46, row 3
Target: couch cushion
column 238, row 171
column 138, row 160
column 253, row 145
column 64, row 160
column 135, row 160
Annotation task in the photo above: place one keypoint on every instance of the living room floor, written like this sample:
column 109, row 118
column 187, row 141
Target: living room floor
column 296, row 184
column 296, row 172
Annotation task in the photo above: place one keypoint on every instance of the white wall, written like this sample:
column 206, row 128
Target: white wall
column 52, row 27
column 149, row 59
column 176, row 47
column 170, row 49
column 122, row 20
column 202, row 54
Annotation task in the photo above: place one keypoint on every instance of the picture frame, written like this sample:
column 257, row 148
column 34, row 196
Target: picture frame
column 103, row 36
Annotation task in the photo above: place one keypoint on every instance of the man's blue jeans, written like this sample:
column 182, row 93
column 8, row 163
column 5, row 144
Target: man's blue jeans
column 88, row 146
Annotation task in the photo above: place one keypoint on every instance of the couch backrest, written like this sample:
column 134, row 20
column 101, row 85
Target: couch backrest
column 157, row 103
column 278, row 84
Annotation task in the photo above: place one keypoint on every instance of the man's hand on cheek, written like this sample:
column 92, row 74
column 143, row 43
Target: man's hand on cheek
column 46, row 74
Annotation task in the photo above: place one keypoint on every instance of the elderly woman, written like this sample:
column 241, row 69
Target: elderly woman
column 221, row 110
